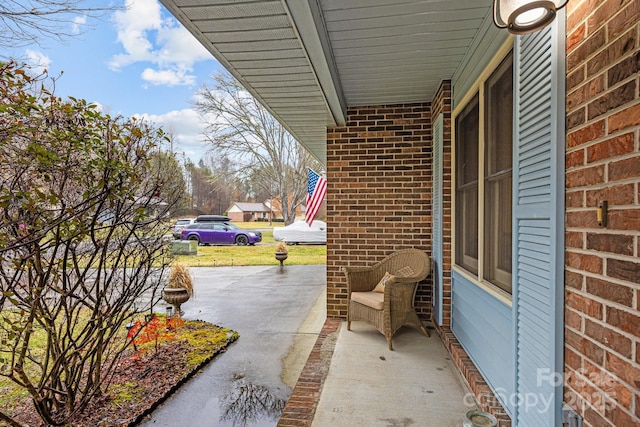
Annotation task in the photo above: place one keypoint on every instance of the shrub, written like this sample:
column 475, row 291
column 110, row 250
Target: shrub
column 82, row 197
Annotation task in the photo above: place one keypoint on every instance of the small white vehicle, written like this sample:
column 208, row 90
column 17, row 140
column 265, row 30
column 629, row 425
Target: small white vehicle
column 180, row 225
column 301, row 232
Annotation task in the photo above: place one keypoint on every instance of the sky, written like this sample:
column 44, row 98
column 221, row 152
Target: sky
column 138, row 61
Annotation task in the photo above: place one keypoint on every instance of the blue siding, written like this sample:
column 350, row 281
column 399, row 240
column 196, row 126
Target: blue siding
column 437, row 218
column 513, row 345
column 483, row 326
column 482, row 323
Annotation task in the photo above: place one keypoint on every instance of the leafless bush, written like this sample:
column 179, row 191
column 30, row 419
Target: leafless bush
column 81, row 241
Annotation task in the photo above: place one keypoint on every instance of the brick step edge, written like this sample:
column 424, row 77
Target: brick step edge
column 302, row 404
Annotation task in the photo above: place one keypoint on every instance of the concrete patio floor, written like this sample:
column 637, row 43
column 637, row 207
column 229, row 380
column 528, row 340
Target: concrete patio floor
column 368, row 385
column 351, row 378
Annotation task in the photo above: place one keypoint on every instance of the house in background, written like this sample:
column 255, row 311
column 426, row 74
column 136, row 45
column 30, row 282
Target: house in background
column 513, row 160
column 249, row 212
column 276, row 206
column 269, row 211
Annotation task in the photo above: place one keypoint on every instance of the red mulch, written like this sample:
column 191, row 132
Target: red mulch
column 156, row 374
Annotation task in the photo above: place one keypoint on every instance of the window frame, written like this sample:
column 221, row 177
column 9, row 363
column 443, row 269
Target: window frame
column 492, row 178
column 478, row 89
column 467, row 188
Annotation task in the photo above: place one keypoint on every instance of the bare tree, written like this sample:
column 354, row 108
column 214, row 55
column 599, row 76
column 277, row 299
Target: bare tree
column 166, row 164
column 28, row 22
column 203, row 193
column 81, row 203
column 240, row 127
column 226, row 185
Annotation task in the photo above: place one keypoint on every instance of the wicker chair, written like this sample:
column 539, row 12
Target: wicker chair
column 389, row 310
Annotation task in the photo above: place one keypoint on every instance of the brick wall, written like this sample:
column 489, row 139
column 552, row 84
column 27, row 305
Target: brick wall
column 378, row 193
column 602, row 273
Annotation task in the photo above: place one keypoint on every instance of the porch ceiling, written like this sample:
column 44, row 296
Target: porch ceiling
column 308, row 60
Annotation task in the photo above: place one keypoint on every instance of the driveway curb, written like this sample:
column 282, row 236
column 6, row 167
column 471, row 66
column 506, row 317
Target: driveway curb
column 302, row 403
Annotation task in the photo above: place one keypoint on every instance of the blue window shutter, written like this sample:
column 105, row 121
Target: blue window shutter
column 538, row 226
column 436, row 215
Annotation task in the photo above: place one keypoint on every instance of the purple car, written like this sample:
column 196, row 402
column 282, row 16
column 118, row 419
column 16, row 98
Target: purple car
column 220, row 233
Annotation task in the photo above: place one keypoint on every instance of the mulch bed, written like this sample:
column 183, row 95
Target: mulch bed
column 157, row 375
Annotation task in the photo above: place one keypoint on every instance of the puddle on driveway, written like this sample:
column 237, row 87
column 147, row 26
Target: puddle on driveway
column 250, row 405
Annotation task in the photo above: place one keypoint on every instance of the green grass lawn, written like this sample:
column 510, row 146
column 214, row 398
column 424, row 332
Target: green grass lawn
column 260, row 254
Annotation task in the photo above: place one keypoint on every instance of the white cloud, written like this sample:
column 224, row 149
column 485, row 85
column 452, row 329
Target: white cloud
column 133, row 25
column 37, row 61
column 185, row 128
column 179, row 45
column 78, row 23
column 149, row 38
column 167, row 77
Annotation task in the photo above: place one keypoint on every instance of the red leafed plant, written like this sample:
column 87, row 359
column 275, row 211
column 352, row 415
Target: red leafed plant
column 157, row 329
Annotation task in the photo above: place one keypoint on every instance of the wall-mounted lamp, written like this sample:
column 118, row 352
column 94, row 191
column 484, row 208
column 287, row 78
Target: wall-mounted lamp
column 525, row 16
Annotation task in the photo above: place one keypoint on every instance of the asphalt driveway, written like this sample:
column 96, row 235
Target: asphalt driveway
column 278, row 313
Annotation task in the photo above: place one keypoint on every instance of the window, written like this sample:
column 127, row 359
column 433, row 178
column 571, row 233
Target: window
column 497, row 175
column 467, row 128
column 484, row 129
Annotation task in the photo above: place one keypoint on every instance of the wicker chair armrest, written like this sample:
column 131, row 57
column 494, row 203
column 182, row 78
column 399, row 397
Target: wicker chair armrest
column 350, row 269
column 409, row 279
column 400, row 292
column 362, row 279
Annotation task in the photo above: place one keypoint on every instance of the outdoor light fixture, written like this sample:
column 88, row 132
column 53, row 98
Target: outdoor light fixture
column 525, row 16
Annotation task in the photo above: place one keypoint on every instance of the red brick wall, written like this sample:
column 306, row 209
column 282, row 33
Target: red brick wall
column 602, row 273
column 236, row 216
column 378, row 193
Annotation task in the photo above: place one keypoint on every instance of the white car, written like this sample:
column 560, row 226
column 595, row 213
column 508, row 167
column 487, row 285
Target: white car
column 180, row 225
column 301, row 232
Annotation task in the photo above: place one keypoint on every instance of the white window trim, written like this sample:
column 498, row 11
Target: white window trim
column 478, row 87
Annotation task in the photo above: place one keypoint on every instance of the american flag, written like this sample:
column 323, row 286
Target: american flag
column 316, row 190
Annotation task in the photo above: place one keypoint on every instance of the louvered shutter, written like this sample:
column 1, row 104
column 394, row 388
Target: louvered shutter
column 538, row 190
column 436, row 206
